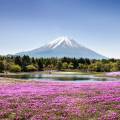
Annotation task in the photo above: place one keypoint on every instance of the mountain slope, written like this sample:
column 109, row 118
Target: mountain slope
column 63, row 47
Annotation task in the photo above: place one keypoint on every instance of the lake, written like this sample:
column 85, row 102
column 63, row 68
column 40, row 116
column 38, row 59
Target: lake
column 60, row 77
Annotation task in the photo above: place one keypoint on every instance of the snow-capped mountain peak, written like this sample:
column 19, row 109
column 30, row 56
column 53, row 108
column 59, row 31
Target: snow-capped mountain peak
column 63, row 47
column 63, row 42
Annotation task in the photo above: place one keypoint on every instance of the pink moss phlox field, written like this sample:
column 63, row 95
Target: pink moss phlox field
column 60, row 101
column 113, row 74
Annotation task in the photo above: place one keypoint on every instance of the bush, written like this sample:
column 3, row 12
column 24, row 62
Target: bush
column 59, row 65
column 65, row 65
column 70, row 66
column 31, row 67
column 15, row 68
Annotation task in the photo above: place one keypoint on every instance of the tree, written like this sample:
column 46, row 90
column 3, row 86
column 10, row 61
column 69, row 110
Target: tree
column 59, row 65
column 74, row 63
column 114, row 67
column 83, row 67
column 70, row 66
column 1, row 66
column 92, row 67
column 18, row 60
column 25, row 62
column 65, row 65
column 107, row 67
column 15, row 68
column 33, row 60
column 40, row 65
column 31, row 68
column 97, row 67
column 118, row 65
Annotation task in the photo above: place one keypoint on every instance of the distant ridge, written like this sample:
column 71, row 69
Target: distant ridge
column 63, row 47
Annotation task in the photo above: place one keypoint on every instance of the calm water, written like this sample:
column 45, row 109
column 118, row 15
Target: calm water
column 60, row 77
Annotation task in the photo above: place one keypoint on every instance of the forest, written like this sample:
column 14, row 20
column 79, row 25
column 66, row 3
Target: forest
column 28, row 64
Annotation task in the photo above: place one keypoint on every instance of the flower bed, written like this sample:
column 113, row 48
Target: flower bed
column 60, row 101
column 114, row 74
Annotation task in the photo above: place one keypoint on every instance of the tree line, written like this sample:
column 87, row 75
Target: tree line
column 28, row 64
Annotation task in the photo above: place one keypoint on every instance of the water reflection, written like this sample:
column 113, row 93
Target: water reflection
column 60, row 77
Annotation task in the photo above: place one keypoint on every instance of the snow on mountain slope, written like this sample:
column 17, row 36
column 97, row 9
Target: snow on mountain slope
column 63, row 42
column 63, row 47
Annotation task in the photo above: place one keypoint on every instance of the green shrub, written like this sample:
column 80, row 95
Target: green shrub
column 15, row 68
column 65, row 65
column 31, row 67
column 70, row 66
column 59, row 65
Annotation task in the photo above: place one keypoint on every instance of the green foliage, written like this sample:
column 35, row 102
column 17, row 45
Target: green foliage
column 70, row 66
column 114, row 67
column 31, row 68
column 98, row 67
column 1, row 66
column 59, row 65
column 40, row 65
column 118, row 65
column 83, row 67
column 107, row 67
column 25, row 63
column 92, row 67
column 18, row 60
column 65, row 65
column 15, row 68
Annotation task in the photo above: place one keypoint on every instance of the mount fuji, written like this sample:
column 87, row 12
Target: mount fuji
column 63, row 47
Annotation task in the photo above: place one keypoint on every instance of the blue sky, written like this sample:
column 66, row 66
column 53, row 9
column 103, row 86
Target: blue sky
column 28, row 24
